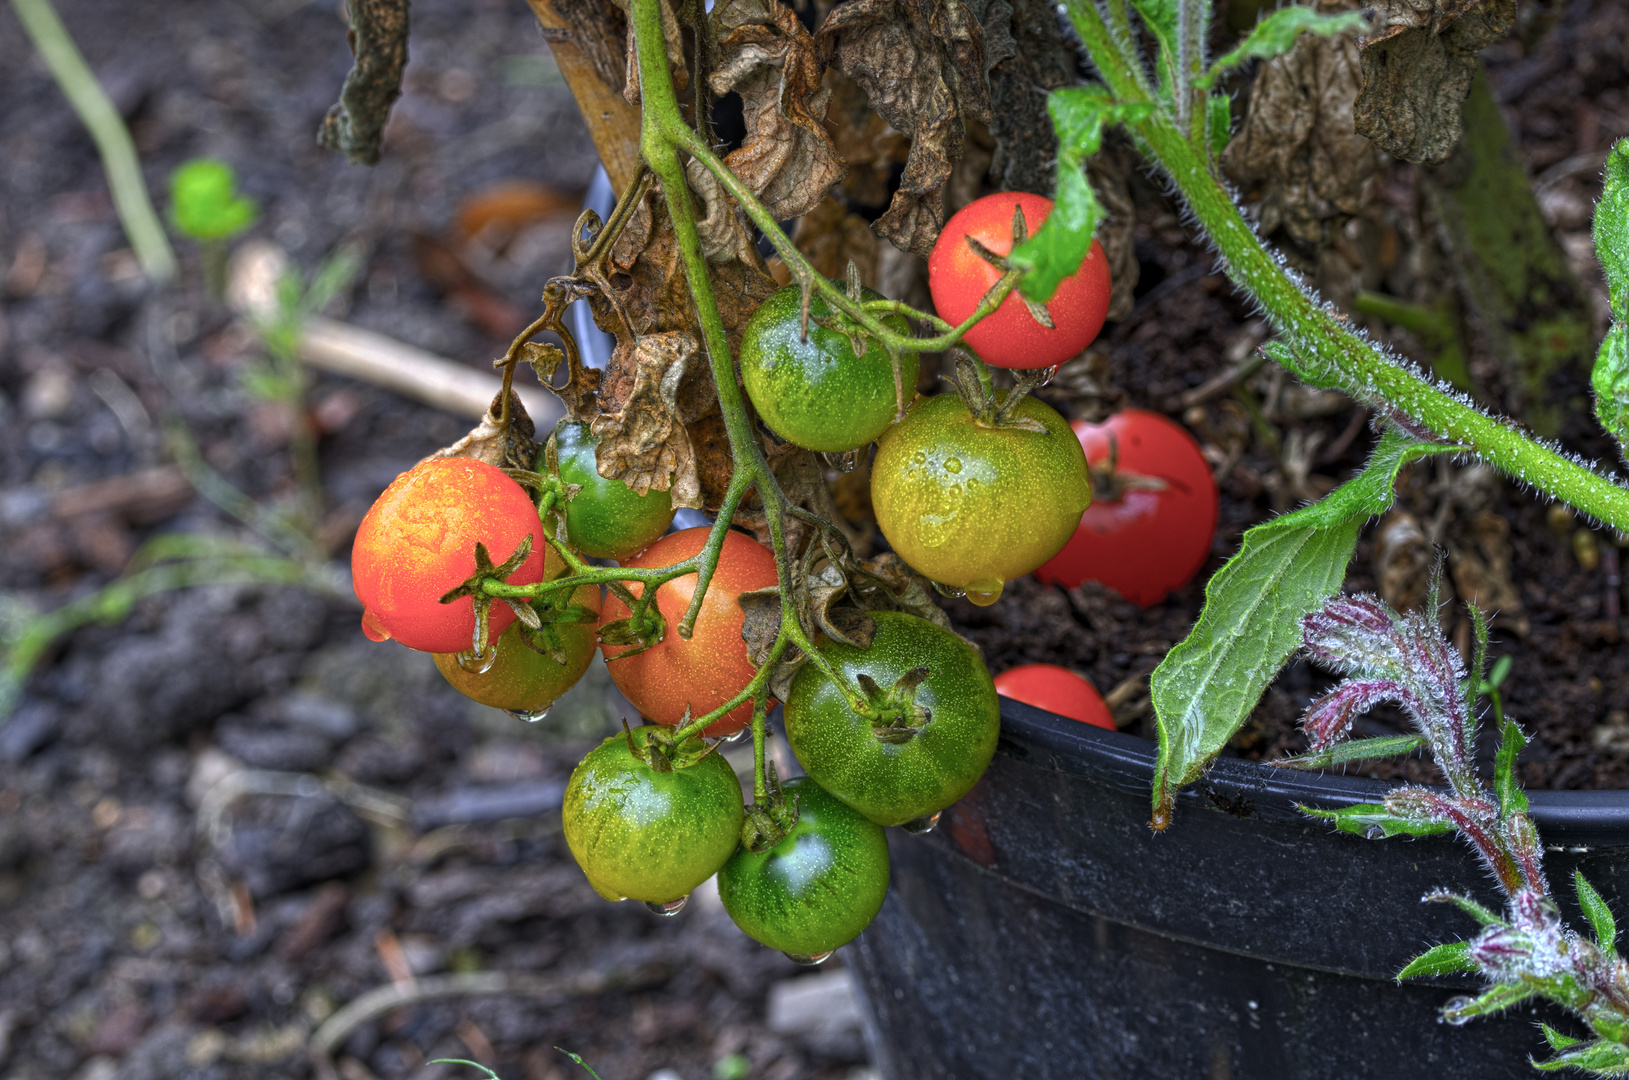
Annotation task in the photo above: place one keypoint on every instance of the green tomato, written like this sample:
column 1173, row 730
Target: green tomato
column 814, row 392
column 892, row 767
column 651, row 833
column 816, row 889
column 521, row 679
column 606, row 519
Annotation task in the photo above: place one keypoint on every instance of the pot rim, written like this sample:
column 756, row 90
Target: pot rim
column 1566, row 819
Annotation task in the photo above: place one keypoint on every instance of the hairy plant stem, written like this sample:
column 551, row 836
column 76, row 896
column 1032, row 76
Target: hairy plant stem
column 1331, row 352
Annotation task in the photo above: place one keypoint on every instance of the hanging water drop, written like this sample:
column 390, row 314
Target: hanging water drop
column 984, row 593
column 530, row 716
column 808, row 959
column 923, row 824
column 478, row 665
column 669, row 909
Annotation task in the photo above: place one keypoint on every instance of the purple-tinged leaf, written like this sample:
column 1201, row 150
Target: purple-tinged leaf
column 1328, row 719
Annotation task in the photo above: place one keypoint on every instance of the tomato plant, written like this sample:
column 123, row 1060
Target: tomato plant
column 417, row 543
column 973, row 505
column 649, row 821
column 1151, row 522
column 606, row 519
column 959, row 275
column 524, row 678
column 705, row 671
column 814, row 390
column 1056, row 689
column 929, row 730
column 817, row 888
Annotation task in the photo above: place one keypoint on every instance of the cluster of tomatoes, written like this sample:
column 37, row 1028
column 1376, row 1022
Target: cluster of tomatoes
column 890, row 734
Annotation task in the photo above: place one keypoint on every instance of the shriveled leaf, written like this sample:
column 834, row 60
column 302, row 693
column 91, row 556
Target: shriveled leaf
column 642, row 438
column 886, row 583
column 762, row 622
column 922, row 64
column 1418, row 59
column 720, row 223
column 841, row 622
column 378, row 40
column 788, row 158
column 1277, row 33
column 512, row 447
column 1079, row 114
column 1449, row 958
column 1597, row 912
column 1356, row 750
column 600, row 31
column 1205, row 688
column 672, row 36
column 873, row 150
column 1374, row 821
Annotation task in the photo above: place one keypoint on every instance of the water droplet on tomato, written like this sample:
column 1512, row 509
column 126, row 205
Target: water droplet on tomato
column 919, row 457
column 953, row 465
column 669, row 909
column 810, row 959
column 530, row 716
column 478, row 665
column 923, row 824
column 955, row 491
column 984, row 593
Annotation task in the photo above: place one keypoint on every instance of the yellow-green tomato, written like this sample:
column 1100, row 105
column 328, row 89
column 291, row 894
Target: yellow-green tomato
column 521, row 679
column 974, row 506
column 651, row 833
column 816, row 889
column 606, row 519
column 813, row 390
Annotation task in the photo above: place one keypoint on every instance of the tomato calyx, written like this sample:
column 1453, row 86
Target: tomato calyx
column 1020, row 233
column 992, row 408
column 662, row 753
column 639, row 631
column 771, row 819
column 1110, row 483
column 896, row 716
column 541, row 619
column 480, row 649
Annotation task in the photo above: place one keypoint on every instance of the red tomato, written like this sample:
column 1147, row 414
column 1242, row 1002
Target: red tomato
column 710, row 668
column 1010, row 337
column 417, row 543
column 1140, row 542
column 1055, row 689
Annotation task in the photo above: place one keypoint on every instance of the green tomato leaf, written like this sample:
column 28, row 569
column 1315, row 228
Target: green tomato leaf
column 205, row 204
column 1373, row 821
column 1274, row 36
column 1450, row 958
column 1205, row 688
column 1351, row 750
column 1512, row 799
column 1611, row 230
column 1163, row 19
column 1598, row 914
column 1079, row 114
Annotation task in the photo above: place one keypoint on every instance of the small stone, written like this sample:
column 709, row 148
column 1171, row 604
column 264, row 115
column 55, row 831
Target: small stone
column 822, row 1011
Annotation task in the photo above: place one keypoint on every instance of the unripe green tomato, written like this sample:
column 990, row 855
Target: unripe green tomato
column 648, row 835
column 606, row 519
column 816, row 889
column 521, row 679
column 817, row 393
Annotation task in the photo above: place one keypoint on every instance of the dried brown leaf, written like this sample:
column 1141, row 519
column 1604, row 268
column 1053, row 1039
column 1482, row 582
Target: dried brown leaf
column 829, row 236
column 922, row 63
column 886, row 583
column 722, row 225
column 762, row 622
column 765, row 55
column 870, row 146
column 513, row 447
column 674, row 38
column 1417, row 68
column 1297, row 154
column 642, row 440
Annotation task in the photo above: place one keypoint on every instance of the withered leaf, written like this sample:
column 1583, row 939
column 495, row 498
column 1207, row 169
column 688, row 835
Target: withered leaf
column 722, row 225
column 1297, row 154
column 759, row 630
column 674, row 38
column 1417, row 68
column 840, row 622
column 886, row 583
column 514, row 447
column 829, row 237
column 868, row 144
column 922, row 63
column 788, row 158
column 642, row 439
column 577, row 394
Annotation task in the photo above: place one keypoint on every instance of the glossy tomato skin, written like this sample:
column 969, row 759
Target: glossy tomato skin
column 710, row 668
column 606, row 519
column 892, row 783
column 815, row 392
column 973, row 506
column 646, row 835
column 521, row 679
column 1145, row 543
column 1010, row 337
column 816, row 889
column 1058, row 690
column 417, row 543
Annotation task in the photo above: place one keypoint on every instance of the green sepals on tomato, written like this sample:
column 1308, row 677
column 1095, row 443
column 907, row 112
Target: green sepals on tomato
column 930, row 730
column 1149, row 528
column 816, row 889
column 647, row 820
column 959, row 275
column 817, row 391
column 676, row 676
column 605, row 519
column 530, row 669
column 1057, row 690
column 974, row 505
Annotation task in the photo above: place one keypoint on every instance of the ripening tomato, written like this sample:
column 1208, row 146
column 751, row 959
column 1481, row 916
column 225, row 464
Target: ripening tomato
column 417, row 543
column 1152, row 518
column 973, row 506
column 712, row 666
column 606, row 519
column 1010, row 337
column 1057, row 690
column 521, row 679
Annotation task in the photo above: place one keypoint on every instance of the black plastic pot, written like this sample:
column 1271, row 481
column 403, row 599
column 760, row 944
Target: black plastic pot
column 1041, row 931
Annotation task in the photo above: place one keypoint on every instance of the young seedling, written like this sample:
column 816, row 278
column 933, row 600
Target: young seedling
column 205, row 205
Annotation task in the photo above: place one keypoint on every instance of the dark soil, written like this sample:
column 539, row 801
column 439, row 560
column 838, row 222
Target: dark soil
column 146, row 931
